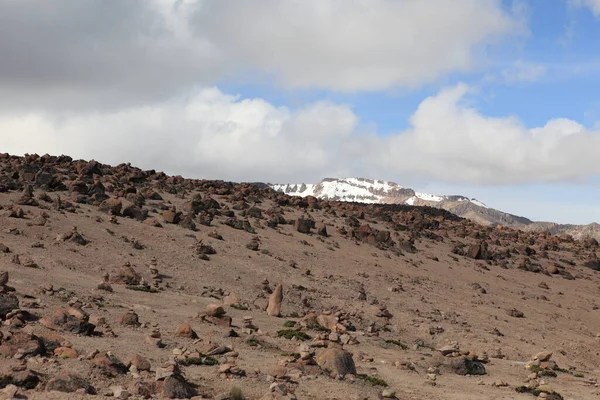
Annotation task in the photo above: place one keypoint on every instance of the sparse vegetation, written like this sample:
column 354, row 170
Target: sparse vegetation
column 536, row 392
column 202, row 360
column 372, row 380
column 292, row 334
column 317, row 327
column 397, row 343
column 147, row 289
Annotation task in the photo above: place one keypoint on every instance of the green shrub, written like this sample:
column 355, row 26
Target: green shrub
column 372, row 380
column 142, row 288
column 291, row 334
column 202, row 360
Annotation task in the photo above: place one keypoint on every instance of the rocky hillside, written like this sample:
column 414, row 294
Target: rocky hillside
column 117, row 282
column 371, row 191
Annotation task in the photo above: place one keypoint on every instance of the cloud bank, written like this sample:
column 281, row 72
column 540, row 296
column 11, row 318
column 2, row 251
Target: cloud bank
column 137, row 81
column 216, row 135
column 98, row 54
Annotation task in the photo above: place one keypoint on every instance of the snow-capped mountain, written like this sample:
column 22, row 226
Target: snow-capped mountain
column 376, row 191
column 366, row 191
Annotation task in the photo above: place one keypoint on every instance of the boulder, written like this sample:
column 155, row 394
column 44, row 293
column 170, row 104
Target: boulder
column 112, row 206
column 171, row 216
column 69, row 383
column 275, row 299
column 185, row 331
column 321, row 229
column 22, row 344
column 176, row 387
column 336, row 362
column 129, row 319
column 478, row 251
column 303, row 225
column 460, row 365
column 139, row 362
column 215, row 310
column 8, row 302
column 126, row 276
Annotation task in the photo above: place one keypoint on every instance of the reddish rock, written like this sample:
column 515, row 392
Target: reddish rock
column 478, row 251
column 214, row 310
column 171, row 216
column 336, row 362
column 139, row 362
column 65, row 352
column 127, row 276
column 109, row 363
column 185, row 330
column 129, row 319
column 111, row 205
column 303, row 225
column 275, row 299
column 22, row 344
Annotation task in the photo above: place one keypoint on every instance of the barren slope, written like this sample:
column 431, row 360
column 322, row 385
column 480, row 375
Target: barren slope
column 402, row 281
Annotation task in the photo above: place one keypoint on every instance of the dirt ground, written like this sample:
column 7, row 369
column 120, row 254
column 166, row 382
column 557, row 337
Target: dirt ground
column 435, row 296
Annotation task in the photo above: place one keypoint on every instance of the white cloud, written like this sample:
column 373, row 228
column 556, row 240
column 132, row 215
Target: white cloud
column 211, row 134
column 449, row 141
column 523, row 71
column 215, row 135
column 593, row 5
column 101, row 54
column 358, row 44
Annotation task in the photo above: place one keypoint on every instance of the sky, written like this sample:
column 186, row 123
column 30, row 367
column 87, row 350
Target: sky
column 491, row 99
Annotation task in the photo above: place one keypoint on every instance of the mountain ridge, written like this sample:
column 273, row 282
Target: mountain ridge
column 372, row 191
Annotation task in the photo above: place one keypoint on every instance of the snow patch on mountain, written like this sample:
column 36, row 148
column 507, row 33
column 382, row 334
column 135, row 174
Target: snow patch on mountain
column 429, row 197
column 367, row 191
column 349, row 189
column 478, row 203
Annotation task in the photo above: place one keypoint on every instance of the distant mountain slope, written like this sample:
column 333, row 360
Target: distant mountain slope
column 382, row 192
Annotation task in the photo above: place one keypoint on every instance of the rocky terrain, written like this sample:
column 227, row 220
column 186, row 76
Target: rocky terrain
column 117, row 282
column 371, row 191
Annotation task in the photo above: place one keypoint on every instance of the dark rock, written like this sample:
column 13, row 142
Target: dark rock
column 478, row 251
column 8, row 302
column 22, row 343
column 135, row 212
column 592, row 264
column 253, row 245
column 462, row 366
column 176, row 387
column 69, row 384
column 303, row 225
